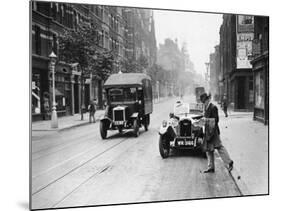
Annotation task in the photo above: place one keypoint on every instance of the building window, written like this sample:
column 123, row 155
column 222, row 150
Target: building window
column 55, row 44
column 259, row 90
column 34, row 6
column 36, row 99
column 102, row 38
column 251, row 90
column 106, row 40
column 54, row 12
column 37, row 40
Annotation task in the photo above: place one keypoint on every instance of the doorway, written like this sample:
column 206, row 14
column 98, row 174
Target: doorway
column 76, row 98
column 241, row 92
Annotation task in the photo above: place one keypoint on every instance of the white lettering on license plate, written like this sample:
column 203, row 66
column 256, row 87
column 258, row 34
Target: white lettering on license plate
column 186, row 143
column 189, row 143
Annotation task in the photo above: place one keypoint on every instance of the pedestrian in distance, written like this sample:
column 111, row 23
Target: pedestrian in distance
column 92, row 111
column 212, row 141
column 224, row 105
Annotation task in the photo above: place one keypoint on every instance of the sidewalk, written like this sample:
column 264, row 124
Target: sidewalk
column 247, row 143
column 66, row 122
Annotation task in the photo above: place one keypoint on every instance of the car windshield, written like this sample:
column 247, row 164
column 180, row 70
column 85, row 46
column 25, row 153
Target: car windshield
column 181, row 108
column 122, row 95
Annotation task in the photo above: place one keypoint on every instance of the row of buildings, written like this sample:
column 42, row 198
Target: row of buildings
column 128, row 33
column 239, row 66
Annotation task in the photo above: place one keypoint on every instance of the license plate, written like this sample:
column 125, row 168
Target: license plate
column 188, row 143
column 118, row 122
column 185, row 143
column 181, row 143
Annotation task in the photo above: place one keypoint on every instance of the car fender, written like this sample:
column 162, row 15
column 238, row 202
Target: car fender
column 163, row 130
column 168, row 131
column 106, row 120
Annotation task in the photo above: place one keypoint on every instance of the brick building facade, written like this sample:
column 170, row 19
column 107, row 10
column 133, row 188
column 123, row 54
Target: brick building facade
column 123, row 31
column 244, row 62
column 260, row 62
column 235, row 48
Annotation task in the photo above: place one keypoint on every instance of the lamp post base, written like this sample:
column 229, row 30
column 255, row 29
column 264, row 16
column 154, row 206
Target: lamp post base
column 54, row 119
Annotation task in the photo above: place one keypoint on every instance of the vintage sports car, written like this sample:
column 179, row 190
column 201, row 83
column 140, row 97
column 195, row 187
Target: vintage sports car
column 129, row 103
column 183, row 130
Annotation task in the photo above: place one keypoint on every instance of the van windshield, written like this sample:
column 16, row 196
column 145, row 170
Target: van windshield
column 122, row 95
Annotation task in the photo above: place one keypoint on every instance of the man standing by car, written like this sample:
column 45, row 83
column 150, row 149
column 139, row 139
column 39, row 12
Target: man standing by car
column 213, row 141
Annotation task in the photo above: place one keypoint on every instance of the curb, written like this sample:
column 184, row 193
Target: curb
column 69, row 127
column 239, row 182
column 234, row 174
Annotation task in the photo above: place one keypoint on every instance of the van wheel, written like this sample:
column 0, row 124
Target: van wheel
column 103, row 130
column 136, row 128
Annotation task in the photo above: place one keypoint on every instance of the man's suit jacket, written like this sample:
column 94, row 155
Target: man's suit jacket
column 212, row 112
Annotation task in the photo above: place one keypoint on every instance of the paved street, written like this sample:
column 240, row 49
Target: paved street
column 76, row 168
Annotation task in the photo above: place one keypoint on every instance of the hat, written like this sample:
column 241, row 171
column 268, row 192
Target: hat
column 204, row 97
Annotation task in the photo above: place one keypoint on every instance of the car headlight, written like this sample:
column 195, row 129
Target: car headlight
column 164, row 123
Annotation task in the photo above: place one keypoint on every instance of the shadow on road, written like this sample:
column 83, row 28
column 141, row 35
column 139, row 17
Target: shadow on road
column 124, row 134
column 186, row 153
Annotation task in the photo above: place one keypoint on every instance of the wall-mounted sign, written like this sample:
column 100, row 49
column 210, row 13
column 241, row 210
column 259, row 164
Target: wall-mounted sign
column 244, row 50
column 244, row 39
column 33, row 85
column 245, row 23
column 245, row 36
column 256, row 47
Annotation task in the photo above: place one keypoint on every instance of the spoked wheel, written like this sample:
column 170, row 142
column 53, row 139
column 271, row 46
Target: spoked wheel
column 103, row 130
column 164, row 148
column 136, row 128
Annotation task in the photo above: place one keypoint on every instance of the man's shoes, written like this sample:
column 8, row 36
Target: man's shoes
column 230, row 166
column 209, row 171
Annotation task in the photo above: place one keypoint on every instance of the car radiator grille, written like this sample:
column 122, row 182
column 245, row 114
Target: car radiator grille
column 118, row 115
column 185, row 128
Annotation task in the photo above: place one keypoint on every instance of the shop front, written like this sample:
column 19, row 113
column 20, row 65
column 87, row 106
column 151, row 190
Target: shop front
column 66, row 90
column 39, row 88
column 242, row 90
column 261, row 96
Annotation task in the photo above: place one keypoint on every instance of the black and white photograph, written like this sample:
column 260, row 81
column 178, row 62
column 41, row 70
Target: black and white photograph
column 134, row 105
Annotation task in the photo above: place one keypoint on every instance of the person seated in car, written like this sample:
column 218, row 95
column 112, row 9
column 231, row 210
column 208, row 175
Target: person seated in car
column 174, row 119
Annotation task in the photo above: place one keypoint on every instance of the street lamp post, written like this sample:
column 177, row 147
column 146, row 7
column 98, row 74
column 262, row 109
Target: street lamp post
column 54, row 118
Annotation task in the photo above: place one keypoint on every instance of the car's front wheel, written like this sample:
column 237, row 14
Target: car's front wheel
column 164, row 147
column 103, row 130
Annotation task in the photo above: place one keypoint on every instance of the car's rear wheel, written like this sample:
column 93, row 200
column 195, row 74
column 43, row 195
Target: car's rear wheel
column 103, row 130
column 136, row 128
column 164, row 147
